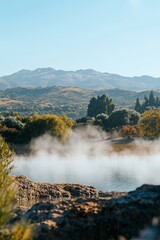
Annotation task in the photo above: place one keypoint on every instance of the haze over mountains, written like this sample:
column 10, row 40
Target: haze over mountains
column 87, row 79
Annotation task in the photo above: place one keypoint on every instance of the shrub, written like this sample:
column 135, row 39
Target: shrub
column 58, row 126
column 7, row 199
column 129, row 131
column 12, row 122
column 150, row 123
column 122, row 117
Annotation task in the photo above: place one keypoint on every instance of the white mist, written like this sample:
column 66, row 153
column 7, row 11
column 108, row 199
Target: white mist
column 87, row 158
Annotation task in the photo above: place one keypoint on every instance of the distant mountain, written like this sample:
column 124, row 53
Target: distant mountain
column 70, row 100
column 87, row 79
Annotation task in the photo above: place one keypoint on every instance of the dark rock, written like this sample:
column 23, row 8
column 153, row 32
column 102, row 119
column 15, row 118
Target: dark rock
column 107, row 216
column 96, row 218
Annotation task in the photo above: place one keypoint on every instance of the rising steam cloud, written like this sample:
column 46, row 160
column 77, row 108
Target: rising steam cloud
column 88, row 158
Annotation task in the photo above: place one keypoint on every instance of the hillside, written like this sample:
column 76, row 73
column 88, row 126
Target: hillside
column 72, row 101
column 88, row 79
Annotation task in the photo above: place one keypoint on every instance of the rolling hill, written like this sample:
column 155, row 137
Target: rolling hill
column 70, row 100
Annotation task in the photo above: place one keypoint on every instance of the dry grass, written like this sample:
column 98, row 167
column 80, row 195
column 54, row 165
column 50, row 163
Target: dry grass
column 7, row 101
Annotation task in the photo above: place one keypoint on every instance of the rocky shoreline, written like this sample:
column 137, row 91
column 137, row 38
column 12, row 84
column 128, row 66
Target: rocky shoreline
column 74, row 212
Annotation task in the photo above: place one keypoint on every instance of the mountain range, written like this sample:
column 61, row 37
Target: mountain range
column 87, row 79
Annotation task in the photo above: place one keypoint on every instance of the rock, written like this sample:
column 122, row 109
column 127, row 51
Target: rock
column 97, row 217
column 30, row 192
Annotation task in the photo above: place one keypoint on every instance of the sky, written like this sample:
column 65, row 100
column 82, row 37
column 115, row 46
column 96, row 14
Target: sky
column 115, row 36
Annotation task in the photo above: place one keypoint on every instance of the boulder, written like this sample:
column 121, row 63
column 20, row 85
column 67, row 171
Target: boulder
column 30, row 192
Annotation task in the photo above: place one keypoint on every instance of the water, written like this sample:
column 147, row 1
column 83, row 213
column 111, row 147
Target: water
column 87, row 158
column 113, row 173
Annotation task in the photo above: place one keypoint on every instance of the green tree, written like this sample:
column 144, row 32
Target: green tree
column 138, row 105
column 122, row 117
column 149, row 102
column 157, row 104
column 152, row 100
column 100, row 105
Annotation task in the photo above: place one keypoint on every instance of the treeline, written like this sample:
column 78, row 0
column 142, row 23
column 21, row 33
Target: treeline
column 149, row 102
column 101, row 112
column 27, row 109
column 128, row 123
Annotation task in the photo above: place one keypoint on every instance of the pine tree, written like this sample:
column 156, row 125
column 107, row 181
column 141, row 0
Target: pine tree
column 146, row 102
column 152, row 100
column 138, row 106
column 157, row 104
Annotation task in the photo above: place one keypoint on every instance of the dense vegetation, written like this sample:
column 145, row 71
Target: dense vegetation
column 150, row 123
column 123, row 117
column 19, row 129
column 127, row 122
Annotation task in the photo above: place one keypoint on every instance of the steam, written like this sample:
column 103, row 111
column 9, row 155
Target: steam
column 89, row 158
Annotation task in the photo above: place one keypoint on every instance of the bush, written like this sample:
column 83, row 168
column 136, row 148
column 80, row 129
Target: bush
column 150, row 123
column 7, row 199
column 101, row 119
column 13, row 122
column 58, row 126
column 121, row 118
column 129, row 131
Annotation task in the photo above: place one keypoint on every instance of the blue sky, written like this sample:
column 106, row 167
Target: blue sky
column 116, row 36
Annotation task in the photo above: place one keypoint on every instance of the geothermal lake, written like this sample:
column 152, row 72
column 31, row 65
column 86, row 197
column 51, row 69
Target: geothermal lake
column 106, row 173
column 92, row 163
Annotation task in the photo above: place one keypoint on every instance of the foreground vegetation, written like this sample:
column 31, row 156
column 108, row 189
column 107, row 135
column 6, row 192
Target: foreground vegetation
column 22, row 230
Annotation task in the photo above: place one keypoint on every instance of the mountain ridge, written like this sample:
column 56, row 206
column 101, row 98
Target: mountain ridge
column 82, row 78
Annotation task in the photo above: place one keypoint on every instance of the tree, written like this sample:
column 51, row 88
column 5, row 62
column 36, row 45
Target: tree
column 157, row 104
column 100, row 105
column 152, row 100
column 149, row 102
column 21, row 230
column 122, row 117
column 138, row 105
column 150, row 123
